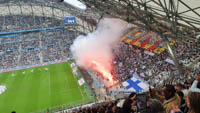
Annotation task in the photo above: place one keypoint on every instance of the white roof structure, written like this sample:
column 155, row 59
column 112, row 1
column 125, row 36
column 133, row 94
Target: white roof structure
column 173, row 18
column 76, row 4
column 185, row 8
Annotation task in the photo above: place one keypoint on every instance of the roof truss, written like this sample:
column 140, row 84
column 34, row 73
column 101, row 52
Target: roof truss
column 163, row 16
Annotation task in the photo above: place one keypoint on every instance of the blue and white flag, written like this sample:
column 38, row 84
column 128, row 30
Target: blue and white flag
column 135, row 85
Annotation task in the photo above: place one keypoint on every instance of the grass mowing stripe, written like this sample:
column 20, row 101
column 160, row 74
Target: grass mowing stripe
column 29, row 92
column 4, row 99
column 44, row 97
column 4, row 77
column 21, row 93
column 54, row 87
column 79, row 89
column 49, row 87
column 33, row 93
column 16, row 88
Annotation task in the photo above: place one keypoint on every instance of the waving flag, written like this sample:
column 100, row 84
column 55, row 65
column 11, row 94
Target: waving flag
column 135, row 85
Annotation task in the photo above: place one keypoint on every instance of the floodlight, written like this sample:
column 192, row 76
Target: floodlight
column 76, row 3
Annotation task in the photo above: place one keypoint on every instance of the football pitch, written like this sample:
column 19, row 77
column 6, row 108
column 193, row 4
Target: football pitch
column 42, row 89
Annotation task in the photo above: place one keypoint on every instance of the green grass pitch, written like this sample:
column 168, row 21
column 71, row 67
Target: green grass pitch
column 41, row 89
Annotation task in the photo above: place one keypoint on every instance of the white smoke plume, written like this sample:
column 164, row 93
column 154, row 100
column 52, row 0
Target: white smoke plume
column 99, row 44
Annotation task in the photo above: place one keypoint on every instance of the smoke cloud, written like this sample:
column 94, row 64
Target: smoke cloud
column 99, row 44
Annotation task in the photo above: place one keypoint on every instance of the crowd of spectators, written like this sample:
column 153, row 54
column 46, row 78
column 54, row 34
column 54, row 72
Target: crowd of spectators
column 175, row 98
column 171, row 94
column 154, row 69
column 41, row 47
column 34, row 48
column 37, row 48
column 188, row 51
column 19, row 22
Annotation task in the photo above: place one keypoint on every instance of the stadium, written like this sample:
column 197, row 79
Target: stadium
column 99, row 56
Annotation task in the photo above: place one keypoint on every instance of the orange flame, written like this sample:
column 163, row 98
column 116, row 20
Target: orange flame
column 102, row 70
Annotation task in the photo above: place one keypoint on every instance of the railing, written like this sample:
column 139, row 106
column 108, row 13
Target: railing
column 64, row 107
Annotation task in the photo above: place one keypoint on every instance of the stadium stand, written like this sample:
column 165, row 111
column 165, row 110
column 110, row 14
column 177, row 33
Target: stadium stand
column 179, row 101
column 42, row 47
column 18, row 50
column 133, row 58
column 33, row 48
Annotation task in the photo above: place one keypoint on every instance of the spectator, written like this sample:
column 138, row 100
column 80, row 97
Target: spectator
column 179, row 87
column 39, row 48
column 196, row 85
column 128, row 103
column 192, row 101
column 183, row 106
column 154, row 106
column 171, row 98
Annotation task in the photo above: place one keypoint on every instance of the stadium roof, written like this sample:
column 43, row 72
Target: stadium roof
column 172, row 18
column 86, row 20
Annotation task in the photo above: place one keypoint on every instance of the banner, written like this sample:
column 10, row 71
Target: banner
column 69, row 20
column 135, row 85
column 81, row 81
column 146, row 39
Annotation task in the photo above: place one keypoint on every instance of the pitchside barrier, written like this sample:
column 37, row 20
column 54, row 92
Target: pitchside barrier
column 82, row 106
column 65, row 107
